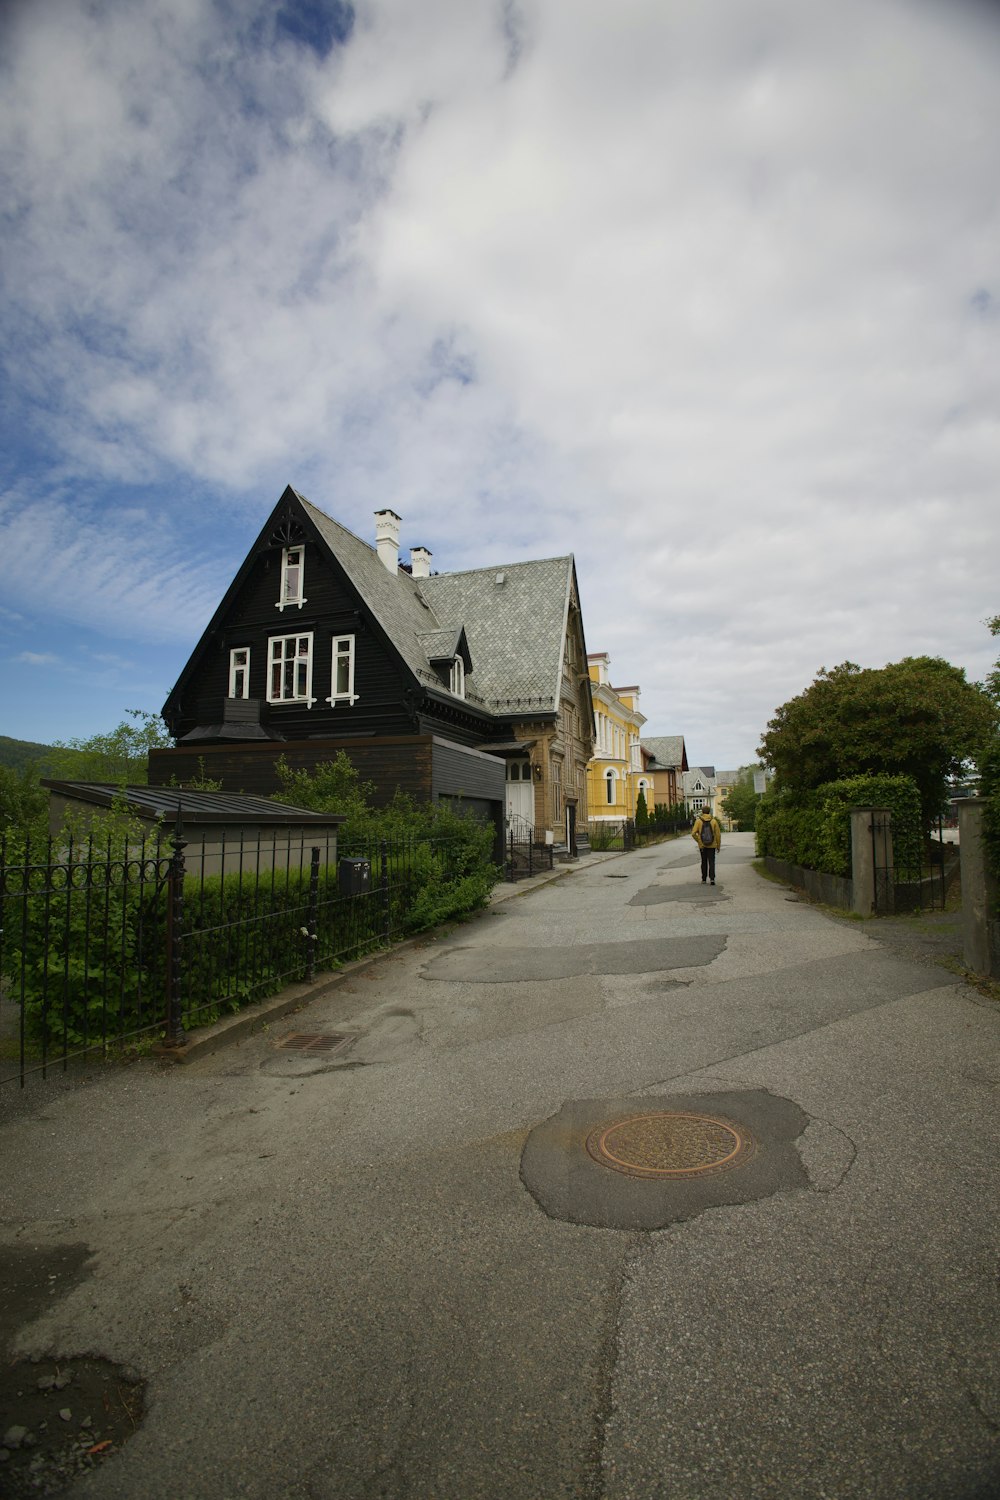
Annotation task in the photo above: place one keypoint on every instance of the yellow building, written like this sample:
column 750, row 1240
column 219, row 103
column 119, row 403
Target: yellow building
column 615, row 773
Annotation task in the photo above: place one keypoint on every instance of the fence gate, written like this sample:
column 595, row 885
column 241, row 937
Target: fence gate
column 908, row 880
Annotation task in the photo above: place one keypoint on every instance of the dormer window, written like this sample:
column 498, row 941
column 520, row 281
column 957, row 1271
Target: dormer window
column 456, row 681
column 293, row 577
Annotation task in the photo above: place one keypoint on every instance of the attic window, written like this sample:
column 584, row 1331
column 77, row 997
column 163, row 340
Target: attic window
column 293, row 577
column 456, row 681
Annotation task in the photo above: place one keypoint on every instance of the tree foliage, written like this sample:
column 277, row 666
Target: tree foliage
column 919, row 717
column 23, row 801
column 119, row 757
column 740, row 802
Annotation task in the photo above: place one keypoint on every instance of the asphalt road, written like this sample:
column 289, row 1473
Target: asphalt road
column 405, row 1268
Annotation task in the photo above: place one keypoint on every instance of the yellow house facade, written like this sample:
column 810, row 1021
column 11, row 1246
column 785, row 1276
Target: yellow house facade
column 615, row 773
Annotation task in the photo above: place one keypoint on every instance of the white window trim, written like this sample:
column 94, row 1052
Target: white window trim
column 300, row 598
column 611, row 787
column 350, row 697
column 275, row 640
column 456, row 678
column 235, row 667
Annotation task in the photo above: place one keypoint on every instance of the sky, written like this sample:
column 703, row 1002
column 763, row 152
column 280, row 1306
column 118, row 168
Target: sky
column 707, row 294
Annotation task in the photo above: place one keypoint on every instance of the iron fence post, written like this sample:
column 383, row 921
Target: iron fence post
column 175, row 916
column 313, row 915
column 513, row 872
column 384, row 870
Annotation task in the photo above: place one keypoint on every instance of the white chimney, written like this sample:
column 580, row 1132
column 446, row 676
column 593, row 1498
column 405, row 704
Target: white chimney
column 420, row 562
column 387, row 538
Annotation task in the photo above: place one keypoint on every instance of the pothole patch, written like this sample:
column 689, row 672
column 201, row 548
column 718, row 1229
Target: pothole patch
column 650, row 1162
column 61, row 1418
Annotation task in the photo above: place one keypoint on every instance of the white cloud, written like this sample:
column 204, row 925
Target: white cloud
column 636, row 281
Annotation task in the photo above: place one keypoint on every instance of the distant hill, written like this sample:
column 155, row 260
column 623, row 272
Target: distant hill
column 19, row 753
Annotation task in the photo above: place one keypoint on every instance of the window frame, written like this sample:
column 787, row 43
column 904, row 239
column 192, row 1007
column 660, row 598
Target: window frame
column 611, row 783
column 279, row 640
column 296, row 600
column 236, row 668
column 456, row 677
column 350, row 697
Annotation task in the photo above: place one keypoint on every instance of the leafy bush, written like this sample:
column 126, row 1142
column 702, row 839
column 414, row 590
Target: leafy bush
column 813, row 829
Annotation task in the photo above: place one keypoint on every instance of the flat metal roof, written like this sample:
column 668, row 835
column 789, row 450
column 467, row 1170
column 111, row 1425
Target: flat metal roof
column 195, row 807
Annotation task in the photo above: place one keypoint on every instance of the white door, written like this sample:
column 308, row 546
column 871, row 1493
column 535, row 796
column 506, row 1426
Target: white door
column 519, row 801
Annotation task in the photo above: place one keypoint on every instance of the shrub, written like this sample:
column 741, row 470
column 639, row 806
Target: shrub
column 813, row 829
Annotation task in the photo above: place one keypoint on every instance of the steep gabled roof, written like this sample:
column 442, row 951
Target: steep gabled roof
column 508, row 623
column 667, row 750
column 515, row 618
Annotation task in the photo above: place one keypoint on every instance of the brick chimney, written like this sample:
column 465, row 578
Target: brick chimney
column 387, row 525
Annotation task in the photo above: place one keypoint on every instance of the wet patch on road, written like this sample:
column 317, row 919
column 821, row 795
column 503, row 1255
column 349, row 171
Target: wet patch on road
column 694, row 895
column 527, row 965
column 647, row 1163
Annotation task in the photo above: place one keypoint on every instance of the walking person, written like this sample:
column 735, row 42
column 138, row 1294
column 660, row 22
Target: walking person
column 707, row 834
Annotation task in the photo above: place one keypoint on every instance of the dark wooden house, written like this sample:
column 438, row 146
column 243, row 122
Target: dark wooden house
column 470, row 685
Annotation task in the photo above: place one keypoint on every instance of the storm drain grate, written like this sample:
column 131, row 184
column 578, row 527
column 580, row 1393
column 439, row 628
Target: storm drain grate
column 671, row 1144
column 313, row 1041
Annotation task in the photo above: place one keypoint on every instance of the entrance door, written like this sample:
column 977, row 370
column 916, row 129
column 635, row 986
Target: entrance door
column 571, row 828
column 519, row 793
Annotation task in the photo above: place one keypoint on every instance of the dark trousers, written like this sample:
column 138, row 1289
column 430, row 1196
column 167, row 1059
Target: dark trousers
column 707, row 862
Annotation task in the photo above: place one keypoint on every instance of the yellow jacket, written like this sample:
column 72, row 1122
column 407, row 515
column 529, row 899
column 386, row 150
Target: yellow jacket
column 716, row 831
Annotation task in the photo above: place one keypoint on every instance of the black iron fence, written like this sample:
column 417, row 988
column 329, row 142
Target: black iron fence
column 526, row 850
column 628, row 834
column 911, row 880
column 107, row 943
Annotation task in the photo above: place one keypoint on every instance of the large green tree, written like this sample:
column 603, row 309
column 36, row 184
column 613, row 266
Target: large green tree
column 919, row 717
column 119, row 757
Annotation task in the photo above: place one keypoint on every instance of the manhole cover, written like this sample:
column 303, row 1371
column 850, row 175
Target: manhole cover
column 305, row 1041
column 669, row 1144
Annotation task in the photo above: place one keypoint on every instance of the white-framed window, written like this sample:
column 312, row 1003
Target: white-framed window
column 342, row 678
column 293, row 577
column 239, row 672
column 518, row 770
column 610, row 783
column 456, row 681
column 644, row 788
column 289, row 677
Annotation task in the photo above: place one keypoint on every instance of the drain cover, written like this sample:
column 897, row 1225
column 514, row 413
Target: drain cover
column 317, row 1041
column 671, row 1144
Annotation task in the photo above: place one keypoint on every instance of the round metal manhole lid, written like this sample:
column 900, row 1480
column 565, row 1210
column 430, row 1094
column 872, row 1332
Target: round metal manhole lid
column 671, row 1144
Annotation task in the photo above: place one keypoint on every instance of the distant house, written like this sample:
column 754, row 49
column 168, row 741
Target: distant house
column 698, row 787
column 665, row 758
column 468, row 685
column 615, row 775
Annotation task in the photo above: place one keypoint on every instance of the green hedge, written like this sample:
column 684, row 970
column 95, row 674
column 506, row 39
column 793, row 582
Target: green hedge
column 813, row 829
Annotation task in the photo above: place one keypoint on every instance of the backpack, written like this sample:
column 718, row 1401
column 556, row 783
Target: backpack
column 707, row 831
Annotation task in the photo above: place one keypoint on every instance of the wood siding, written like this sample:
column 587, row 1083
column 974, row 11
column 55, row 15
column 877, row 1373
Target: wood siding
column 332, row 608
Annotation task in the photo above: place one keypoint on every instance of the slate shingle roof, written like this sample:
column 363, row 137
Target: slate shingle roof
column 666, row 749
column 515, row 629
